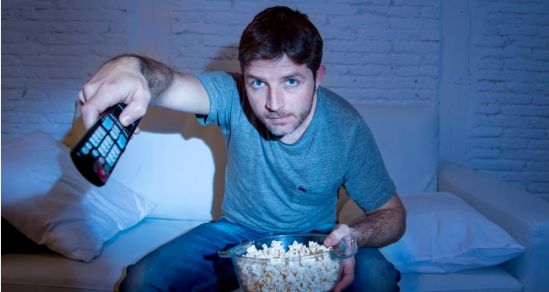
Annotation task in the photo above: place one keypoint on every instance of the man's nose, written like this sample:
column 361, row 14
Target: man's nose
column 274, row 100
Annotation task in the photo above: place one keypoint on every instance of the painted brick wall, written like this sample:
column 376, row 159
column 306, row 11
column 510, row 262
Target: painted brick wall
column 509, row 125
column 48, row 49
column 384, row 51
column 377, row 50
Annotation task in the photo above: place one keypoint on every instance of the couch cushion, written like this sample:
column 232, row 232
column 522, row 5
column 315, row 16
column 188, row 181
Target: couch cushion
column 487, row 279
column 48, row 270
column 407, row 137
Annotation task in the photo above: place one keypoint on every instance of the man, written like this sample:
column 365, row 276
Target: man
column 291, row 145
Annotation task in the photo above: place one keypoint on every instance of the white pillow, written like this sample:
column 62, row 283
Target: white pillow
column 444, row 234
column 46, row 198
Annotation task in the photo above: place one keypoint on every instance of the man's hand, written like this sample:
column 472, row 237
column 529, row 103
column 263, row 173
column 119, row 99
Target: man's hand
column 342, row 232
column 119, row 80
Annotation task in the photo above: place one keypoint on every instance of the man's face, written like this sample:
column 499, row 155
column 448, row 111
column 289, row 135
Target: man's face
column 282, row 95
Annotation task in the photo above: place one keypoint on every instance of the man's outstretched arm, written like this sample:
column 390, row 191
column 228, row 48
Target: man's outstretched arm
column 139, row 81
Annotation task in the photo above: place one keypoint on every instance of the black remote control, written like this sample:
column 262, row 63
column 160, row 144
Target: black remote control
column 98, row 152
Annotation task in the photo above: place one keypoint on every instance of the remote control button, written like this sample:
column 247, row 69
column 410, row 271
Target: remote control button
column 85, row 150
column 110, row 159
column 96, row 138
column 103, row 150
column 121, row 141
column 115, row 132
column 113, row 155
column 116, row 150
column 106, row 146
column 102, row 173
column 95, row 153
column 108, row 122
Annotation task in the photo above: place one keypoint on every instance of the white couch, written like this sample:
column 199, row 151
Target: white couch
column 179, row 166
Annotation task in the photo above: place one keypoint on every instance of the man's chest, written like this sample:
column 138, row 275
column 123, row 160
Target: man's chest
column 312, row 166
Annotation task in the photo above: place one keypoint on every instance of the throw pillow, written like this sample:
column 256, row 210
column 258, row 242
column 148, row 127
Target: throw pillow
column 45, row 197
column 444, row 234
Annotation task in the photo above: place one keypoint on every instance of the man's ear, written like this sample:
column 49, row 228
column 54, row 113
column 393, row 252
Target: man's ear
column 320, row 75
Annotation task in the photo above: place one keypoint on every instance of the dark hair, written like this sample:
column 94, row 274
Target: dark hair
column 280, row 30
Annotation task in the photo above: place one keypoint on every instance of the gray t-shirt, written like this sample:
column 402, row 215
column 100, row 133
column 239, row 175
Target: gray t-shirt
column 281, row 188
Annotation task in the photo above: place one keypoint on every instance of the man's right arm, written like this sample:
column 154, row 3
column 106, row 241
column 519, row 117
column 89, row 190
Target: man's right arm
column 139, row 81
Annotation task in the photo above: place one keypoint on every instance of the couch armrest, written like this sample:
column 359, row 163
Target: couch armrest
column 523, row 215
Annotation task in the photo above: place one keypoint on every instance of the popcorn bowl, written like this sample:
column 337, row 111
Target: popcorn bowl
column 293, row 262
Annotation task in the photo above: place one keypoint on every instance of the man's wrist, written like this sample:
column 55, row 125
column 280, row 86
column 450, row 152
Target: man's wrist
column 157, row 75
column 130, row 60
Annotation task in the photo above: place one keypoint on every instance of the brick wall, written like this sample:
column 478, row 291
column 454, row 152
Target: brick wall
column 509, row 113
column 375, row 50
column 382, row 51
column 48, row 49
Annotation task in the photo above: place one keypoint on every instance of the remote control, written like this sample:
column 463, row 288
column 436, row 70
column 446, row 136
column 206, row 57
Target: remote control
column 100, row 149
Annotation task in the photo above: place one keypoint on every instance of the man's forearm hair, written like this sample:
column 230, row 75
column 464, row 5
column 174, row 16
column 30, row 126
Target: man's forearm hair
column 380, row 228
column 159, row 76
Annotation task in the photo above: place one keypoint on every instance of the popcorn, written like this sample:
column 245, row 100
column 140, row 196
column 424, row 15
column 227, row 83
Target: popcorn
column 300, row 268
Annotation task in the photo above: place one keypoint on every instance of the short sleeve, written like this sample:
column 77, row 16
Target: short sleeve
column 223, row 96
column 367, row 181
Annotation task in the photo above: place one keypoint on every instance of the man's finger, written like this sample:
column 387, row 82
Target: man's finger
column 347, row 275
column 337, row 234
column 104, row 97
column 136, row 107
column 81, row 97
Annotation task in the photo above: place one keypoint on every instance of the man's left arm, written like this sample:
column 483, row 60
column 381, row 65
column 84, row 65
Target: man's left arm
column 381, row 227
column 378, row 228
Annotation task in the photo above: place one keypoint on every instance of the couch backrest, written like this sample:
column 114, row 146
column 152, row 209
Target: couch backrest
column 407, row 137
column 177, row 164
column 174, row 162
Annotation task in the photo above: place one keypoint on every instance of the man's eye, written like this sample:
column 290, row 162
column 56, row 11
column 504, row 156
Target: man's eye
column 292, row 82
column 257, row 83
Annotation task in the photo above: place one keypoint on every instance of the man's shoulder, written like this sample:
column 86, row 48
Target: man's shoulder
column 218, row 77
column 337, row 107
column 221, row 81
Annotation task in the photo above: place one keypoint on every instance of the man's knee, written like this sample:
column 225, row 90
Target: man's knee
column 137, row 279
column 157, row 272
column 373, row 272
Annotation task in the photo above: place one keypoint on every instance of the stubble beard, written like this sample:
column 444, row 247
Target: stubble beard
column 286, row 129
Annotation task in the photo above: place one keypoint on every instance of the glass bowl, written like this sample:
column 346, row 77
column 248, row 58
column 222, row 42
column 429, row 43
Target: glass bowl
column 313, row 272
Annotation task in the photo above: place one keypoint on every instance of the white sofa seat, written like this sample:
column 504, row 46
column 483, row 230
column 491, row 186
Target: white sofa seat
column 487, row 279
column 52, row 272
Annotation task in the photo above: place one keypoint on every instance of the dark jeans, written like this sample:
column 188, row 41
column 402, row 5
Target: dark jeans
column 190, row 263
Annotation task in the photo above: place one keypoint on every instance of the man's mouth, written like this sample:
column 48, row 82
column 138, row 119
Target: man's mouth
column 278, row 118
